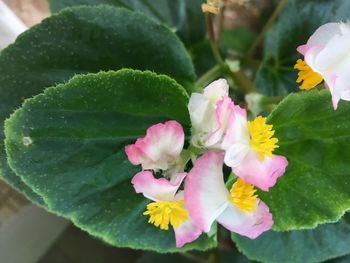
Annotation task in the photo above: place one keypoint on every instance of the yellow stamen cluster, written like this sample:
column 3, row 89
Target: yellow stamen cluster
column 163, row 213
column 243, row 196
column 261, row 137
column 306, row 75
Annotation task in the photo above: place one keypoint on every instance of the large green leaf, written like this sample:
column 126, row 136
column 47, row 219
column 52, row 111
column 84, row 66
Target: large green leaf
column 295, row 25
column 316, row 140
column 303, row 246
column 68, row 144
column 183, row 16
column 82, row 40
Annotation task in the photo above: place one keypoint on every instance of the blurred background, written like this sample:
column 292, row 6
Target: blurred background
column 28, row 234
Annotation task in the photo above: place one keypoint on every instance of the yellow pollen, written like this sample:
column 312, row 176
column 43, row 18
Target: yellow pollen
column 243, row 196
column 261, row 137
column 163, row 213
column 306, row 75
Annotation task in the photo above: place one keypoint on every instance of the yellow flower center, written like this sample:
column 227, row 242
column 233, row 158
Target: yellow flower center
column 261, row 137
column 163, row 213
column 306, row 75
column 243, row 196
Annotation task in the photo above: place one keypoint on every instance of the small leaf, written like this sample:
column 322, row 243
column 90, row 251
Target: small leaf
column 76, row 158
column 316, row 245
column 316, row 141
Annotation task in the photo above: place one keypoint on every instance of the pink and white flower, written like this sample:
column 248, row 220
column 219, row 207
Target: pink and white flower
column 209, row 114
column 160, row 147
column 249, row 147
column 168, row 207
column 327, row 54
column 208, row 200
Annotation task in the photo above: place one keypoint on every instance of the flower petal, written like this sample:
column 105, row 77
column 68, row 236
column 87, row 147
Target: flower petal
column 187, row 231
column 236, row 154
column 156, row 189
column 237, row 131
column 161, row 146
column 205, row 192
column 324, row 34
column 201, row 112
column 216, row 90
column 249, row 224
column 224, row 109
column 261, row 173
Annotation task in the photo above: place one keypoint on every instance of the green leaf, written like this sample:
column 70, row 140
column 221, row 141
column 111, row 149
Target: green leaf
column 202, row 57
column 297, row 22
column 317, row 245
column 82, row 40
column 184, row 17
column 316, row 140
column 68, row 144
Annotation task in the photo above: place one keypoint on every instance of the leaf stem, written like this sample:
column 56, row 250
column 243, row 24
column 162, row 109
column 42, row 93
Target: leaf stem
column 273, row 17
column 208, row 76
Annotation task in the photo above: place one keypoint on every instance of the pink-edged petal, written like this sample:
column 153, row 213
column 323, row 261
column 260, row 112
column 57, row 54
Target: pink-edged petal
column 187, row 231
column 261, row 173
column 249, row 224
column 224, row 109
column 206, row 195
column 202, row 113
column 216, row 90
column 324, row 34
column 237, row 130
column 335, row 56
column 302, row 49
column 236, row 154
column 156, row 189
column 161, row 146
column 311, row 57
column 135, row 155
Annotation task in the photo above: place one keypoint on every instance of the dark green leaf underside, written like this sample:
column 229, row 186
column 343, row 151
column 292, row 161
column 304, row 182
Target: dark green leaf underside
column 76, row 160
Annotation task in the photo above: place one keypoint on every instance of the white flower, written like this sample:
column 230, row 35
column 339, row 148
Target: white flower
column 327, row 57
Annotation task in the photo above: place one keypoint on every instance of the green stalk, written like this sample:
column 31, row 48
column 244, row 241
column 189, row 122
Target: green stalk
column 260, row 38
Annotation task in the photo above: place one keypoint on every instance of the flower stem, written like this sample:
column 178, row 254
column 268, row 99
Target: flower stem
column 242, row 80
column 214, row 256
column 209, row 76
column 212, row 40
column 273, row 17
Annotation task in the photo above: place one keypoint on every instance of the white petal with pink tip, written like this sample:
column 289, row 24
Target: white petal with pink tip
column 160, row 147
column 205, row 192
column 156, row 189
